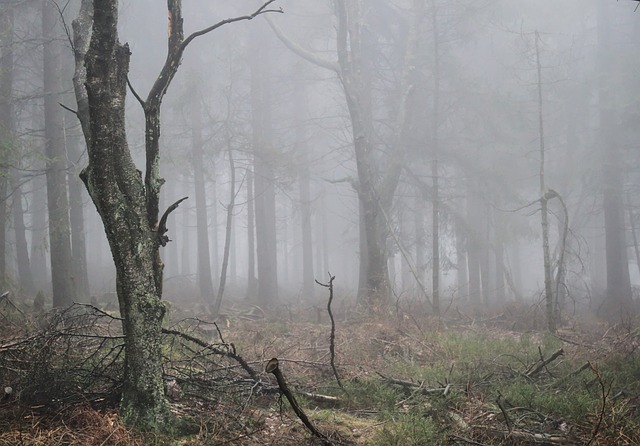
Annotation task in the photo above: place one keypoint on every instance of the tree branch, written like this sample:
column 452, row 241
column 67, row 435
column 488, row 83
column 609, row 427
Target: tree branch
column 303, row 52
column 162, row 226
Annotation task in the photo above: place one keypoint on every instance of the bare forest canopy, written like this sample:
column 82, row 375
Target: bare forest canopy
column 407, row 147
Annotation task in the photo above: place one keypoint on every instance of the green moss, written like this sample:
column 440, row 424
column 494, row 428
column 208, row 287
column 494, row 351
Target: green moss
column 408, row 430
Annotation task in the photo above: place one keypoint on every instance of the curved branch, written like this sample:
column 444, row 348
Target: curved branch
column 303, row 52
column 162, row 226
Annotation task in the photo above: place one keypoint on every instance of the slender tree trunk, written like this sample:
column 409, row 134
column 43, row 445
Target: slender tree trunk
column 304, row 183
column 435, row 222
column 6, row 127
column 634, row 236
column 38, row 211
column 252, row 281
column 186, row 247
column 205, row 284
column 474, row 247
column 548, row 288
column 76, row 219
column 228, row 230
column 64, row 292
column 264, row 180
column 22, row 249
column 461, row 261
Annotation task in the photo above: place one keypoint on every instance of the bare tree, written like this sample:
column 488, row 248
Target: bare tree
column 128, row 203
column 377, row 175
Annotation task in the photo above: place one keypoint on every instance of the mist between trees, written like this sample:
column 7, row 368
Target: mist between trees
column 409, row 148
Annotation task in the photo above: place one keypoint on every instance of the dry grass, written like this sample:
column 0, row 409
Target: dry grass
column 474, row 361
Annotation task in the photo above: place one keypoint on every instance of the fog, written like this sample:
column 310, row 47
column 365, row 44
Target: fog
column 456, row 96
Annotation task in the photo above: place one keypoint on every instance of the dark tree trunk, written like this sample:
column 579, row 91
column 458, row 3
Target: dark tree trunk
column 64, row 292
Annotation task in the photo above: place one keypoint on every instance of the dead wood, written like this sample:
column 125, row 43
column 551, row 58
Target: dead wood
column 273, row 367
column 544, row 363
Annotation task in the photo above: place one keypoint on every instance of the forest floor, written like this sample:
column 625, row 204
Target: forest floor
column 404, row 379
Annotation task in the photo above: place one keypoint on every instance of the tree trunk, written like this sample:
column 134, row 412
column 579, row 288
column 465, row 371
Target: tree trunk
column 548, row 288
column 118, row 192
column 252, row 281
column 76, row 219
column 264, row 180
column 228, row 230
column 38, row 230
column 619, row 296
column 461, row 261
column 22, row 249
column 205, row 284
column 64, row 292
column 474, row 247
column 6, row 128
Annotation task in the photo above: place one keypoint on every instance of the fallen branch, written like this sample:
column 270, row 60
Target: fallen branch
column 273, row 367
column 229, row 352
column 543, row 364
column 408, row 384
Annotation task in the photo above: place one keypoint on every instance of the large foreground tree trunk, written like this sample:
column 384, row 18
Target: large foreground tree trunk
column 127, row 203
column 118, row 193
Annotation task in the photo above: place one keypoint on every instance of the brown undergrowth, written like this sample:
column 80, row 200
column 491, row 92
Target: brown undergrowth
column 409, row 379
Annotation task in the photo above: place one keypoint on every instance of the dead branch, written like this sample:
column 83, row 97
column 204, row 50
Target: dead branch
column 228, row 351
column 409, row 384
column 604, row 394
column 273, row 367
column 332, row 336
column 543, row 364
column 162, row 226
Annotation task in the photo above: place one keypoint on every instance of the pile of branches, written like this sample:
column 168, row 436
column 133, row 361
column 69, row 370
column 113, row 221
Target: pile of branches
column 64, row 358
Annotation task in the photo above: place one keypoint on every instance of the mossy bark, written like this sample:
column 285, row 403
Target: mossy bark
column 117, row 190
